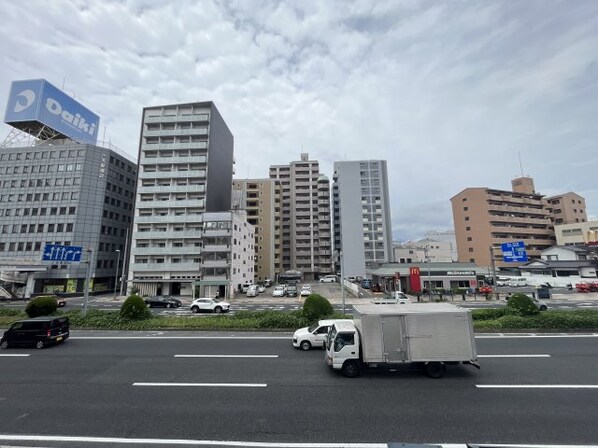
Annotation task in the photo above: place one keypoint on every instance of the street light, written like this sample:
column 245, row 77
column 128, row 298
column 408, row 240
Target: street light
column 427, row 252
column 116, row 274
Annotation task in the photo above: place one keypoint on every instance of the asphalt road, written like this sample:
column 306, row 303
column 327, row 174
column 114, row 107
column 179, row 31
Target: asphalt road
column 262, row 390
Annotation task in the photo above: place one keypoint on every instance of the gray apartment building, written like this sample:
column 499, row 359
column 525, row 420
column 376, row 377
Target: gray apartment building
column 306, row 224
column 67, row 193
column 361, row 215
column 185, row 170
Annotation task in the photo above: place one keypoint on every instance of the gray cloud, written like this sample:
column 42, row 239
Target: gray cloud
column 449, row 93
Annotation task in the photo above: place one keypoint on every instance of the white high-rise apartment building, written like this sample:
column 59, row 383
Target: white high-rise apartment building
column 306, row 226
column 361, row 214
column 185, row 171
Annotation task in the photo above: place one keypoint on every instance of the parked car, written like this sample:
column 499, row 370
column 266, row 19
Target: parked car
column 211, row 305
column 261, row 288
column 279, row 291
column 245, row 286
column 38, row 332
column 267, row 282
column 162, row 301
column 328, row 279
column 540, row 304
column 292, row 291
column 252, row 291
column 314, row 335
column 305, row 290
column 366, row 283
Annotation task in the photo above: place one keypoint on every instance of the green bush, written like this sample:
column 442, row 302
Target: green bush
column 316, row 307
column 521, row 305
column 488, row 313
column 41, row 306
column 134, row 308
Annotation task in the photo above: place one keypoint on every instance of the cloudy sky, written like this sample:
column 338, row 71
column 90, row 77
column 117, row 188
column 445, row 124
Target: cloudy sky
column 450, row 93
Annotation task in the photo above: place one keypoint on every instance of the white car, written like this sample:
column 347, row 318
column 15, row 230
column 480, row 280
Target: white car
column 305, row 291
column 261, row 288
column 252, row 291
column 397, row 297
column 314, row 335
column 328, row 279
column 279, row 291
column 212, row 305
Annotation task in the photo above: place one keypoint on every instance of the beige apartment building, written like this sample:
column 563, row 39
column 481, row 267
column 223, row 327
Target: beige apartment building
column 261, row 198
column 485, row 217
column 567, row 208
column 306, row 218
column 577, row 234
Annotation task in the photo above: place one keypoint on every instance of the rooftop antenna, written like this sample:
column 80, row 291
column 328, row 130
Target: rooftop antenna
column 520, row 164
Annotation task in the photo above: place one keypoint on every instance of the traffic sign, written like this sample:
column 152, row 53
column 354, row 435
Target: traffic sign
column 514, row 252
column 62, row 254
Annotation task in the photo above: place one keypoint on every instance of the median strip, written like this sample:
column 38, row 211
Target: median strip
column 201, row 384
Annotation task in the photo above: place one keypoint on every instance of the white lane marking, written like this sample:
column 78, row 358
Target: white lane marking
column 180, row 337
column 513, row 356
column 537, row 386
column 201, row 384
column 15, row 355
column 226, row 356
column 534, row 335
column 236, row 443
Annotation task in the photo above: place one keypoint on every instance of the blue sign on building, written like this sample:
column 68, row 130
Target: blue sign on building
column 62, row 254
column 514, row 252
column 38, row 101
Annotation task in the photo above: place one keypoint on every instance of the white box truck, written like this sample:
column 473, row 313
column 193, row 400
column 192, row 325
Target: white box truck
column 430, row 335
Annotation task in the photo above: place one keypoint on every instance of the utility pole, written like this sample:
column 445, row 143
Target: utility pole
column 342, row 281
column 116, row 273
column 494, row 286
column 123, row 282
column 427, row 252
column 87, row 281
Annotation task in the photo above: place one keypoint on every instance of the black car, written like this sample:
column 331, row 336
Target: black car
column 37, row 332
column 292, row 291
column 162, row 301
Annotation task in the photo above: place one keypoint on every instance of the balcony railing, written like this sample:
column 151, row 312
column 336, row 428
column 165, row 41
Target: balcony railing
column 172, row 174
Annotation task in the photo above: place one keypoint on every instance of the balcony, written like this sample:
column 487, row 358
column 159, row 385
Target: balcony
column 195, row 203
column 180, row 145
column 161, row 268
column 177, row 160
column 214, row 248
column 157, row 219
column 200, row 188
column 168, row 235
column 175, row 132
column 185, row 250
column 201, row 174
column 177, row 118
column 215, row 263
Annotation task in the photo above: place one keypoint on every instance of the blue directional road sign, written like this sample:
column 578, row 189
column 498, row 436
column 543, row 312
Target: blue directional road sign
column 514, row 252
column 62, row 254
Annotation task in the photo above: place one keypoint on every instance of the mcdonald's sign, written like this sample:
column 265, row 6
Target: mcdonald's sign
column 414, row 279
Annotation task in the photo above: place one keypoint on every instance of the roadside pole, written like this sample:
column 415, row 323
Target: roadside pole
column 494, row 285
column 342, row 281
column 87, row 281
column 123, row 281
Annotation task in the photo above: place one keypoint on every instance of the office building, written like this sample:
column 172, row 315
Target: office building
column 306, row 227
column 66, row 193
column 261, row 198
column 447, row 236
column 60, row 188
column 185, row 171
column 424, row 250
column 362, row 223
column 485, row 217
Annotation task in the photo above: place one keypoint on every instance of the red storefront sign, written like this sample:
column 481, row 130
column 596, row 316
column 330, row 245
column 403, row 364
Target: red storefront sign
column 414, row 280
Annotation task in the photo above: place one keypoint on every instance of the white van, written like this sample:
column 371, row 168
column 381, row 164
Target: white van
column 518, row 281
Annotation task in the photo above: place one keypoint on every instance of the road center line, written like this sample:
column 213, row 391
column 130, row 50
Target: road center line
column 537, row 386
column 15, row 355
column 226, row 356
column 513, row 356
column 201, row 384
column 177, row 337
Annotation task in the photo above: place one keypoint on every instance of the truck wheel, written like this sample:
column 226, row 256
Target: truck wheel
column 350, row 369
column 305, row 345
column 435, row 369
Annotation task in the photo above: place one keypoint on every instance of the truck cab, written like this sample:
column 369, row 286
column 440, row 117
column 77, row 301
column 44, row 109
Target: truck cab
column 342, row 348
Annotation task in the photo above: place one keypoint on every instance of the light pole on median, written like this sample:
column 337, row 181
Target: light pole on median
column 116, row 274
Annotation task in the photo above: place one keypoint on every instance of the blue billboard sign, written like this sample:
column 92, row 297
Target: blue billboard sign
column 38, row 101
column 514, row 252
column 62, row 254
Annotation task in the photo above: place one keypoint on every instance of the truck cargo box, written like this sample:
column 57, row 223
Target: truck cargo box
column 415, row 333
